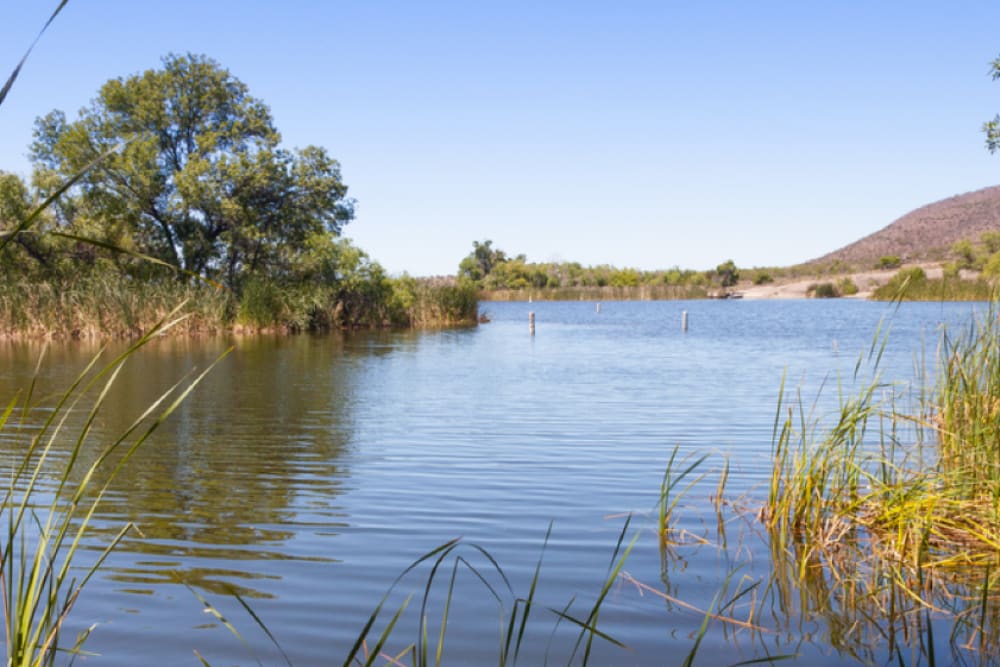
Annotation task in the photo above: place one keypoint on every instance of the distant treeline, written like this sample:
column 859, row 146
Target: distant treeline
column 172, row 185
column 593, row 293
column 971, row 275
column 502, row 277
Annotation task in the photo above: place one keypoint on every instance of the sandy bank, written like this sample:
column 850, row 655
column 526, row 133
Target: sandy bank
column 867, row 282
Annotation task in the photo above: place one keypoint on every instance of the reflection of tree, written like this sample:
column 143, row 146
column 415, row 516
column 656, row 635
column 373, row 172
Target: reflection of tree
column 246, row 465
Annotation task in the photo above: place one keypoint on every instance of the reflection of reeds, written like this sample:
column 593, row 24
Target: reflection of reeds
column 887, row 522
column 46, row 522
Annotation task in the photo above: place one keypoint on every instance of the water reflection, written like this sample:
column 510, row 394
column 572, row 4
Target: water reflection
column 248, row 469
column 839, row 603
column 878, row 611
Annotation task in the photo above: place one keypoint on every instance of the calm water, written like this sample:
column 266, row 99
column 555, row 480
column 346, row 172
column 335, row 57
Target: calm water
column 306, row 473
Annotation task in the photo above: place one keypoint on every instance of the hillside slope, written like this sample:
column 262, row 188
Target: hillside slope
column 926, row 233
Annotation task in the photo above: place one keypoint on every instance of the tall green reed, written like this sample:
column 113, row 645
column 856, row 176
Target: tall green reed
column 671, row 493
column 884, row 520
column 968, row 408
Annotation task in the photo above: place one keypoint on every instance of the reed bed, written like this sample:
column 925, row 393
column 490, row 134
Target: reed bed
column 112, row 305
column 886, row 520
column 967, row 416
column 873, row 610
column 104, row 307
column 913, row 479
column 430, row 302
column 604, row 293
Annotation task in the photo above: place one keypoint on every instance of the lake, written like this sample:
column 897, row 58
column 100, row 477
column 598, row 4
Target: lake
column 306, row 473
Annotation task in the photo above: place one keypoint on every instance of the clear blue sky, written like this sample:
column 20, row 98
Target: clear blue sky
column 646, row 134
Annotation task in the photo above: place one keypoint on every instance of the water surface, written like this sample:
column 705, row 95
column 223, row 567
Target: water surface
column 306, row 473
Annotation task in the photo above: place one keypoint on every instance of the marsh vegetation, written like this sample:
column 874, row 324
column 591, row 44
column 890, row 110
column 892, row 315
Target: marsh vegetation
column 172, row 186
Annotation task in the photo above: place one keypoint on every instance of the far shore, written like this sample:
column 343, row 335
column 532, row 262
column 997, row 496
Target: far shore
column 867, row 282
column 790, row 288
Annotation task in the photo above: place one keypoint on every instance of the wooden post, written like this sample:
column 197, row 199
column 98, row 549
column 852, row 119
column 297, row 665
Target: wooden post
column 531, row 323
column 684, row 321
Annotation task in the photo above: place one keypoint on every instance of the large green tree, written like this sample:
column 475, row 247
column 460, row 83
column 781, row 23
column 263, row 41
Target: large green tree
column 199, row 178
column 25, row 250
column 481, row 261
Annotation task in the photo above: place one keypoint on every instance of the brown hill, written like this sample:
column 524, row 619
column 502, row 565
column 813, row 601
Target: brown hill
column 926, row 233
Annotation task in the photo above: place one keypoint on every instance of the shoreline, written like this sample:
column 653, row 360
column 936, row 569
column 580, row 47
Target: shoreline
column 795, row 288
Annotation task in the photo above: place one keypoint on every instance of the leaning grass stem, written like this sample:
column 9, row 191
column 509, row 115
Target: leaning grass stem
column 454, row 557
column 669, row 498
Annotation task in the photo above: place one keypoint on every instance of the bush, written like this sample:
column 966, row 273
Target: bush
column 908, row 277
column 847, row 287
column 992, row 267
column 728, row 274
column 913, row 285
column 965, row 254
column 823, row 291
column 889, row 262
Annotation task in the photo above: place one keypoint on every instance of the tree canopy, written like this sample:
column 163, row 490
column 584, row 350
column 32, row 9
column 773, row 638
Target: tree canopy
column 992, row 127
column 481, row 261
column 199, row 178
column 728, row 274
column 16, row 203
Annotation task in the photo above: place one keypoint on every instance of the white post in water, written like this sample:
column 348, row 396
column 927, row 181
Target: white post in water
column 598, row 309
column 684, row 321
column 531, row 323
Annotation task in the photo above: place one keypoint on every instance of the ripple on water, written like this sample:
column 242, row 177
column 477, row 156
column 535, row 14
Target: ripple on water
column 307, row 473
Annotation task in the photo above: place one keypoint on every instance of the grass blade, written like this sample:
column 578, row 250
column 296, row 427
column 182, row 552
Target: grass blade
column 17, row 70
